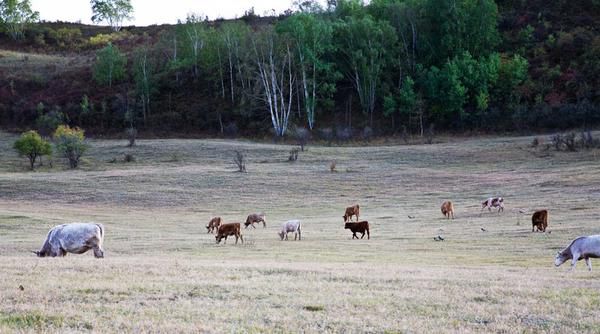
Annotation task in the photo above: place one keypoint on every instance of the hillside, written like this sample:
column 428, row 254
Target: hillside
column 219, row 91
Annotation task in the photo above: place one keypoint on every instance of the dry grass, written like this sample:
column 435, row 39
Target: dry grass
column 37, row 67
column 163, row 273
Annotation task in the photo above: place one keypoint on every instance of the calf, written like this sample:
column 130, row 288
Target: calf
column 448, row 209
column 291, row 226
column 359, row 227
column 539, row 220
column 226, row 230
column 75, row 238
column 580, row 248
column 493, row 202
column 351, row 211
column 255, row 218
column 213, row 224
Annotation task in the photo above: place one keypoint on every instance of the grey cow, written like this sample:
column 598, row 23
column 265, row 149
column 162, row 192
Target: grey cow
column 580, row 248
column 291, row 226
column 75, row 238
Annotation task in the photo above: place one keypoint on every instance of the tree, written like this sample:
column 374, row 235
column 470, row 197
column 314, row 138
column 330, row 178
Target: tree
column 70, row 143
column 110, row 65
column 311, row 39
column 112, row 11
column 144, row 73
column 15, row 15
column 274, row 62
column 364, row 45
column 32, row 146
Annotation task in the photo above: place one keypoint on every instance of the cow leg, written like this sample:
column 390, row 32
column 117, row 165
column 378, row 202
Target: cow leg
column 354, row 235
column 241, row 238
column 224, row 242
column 236, row 239
column 574, row 261
column 295, row 236
column 368, row 235
column 299, row 234
column 588, row 261
column 363, row 235
column 264, row 224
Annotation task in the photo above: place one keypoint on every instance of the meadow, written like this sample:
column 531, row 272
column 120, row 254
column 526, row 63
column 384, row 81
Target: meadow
column 163, row 273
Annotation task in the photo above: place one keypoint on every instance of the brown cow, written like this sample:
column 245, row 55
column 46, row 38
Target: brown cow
column 226, row 230
column 351, row 211
column 448, row 209
column 359, row 227
column 255, row 218
column 539, row 220
column 213, row 224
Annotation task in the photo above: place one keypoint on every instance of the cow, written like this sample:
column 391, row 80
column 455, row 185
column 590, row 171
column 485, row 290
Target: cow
column 539, row 220
column 351, row 211
column 358, row 227
column 448, row 209
column 291, row 226
column 75, row 238
column 580, row 248
column 213, row 225
column 493, row 202
column 255, row 218
column 226, row 230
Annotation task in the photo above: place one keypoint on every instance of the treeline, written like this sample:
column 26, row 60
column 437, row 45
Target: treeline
column 392, row 66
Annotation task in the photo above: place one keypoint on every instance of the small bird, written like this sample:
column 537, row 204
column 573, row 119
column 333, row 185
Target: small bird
column 484, row 230
column 438, row 238
column 522, row 211
column 21, row 287
column 411, row 217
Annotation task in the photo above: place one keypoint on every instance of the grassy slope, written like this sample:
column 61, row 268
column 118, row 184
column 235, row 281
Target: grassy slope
column 164, row 273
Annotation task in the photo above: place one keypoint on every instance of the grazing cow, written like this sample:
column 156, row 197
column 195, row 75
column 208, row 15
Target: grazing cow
column 493, row 202
column 351, row 211
column 359, row 227
column 580, row 248
column 255, row 218
column 75, row 238
column 213, row 224
column 291, row 226
column 226, row 230
column 539, row 220
column 448, row 209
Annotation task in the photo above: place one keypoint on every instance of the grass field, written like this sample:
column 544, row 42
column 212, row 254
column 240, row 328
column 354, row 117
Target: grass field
column 163, row 273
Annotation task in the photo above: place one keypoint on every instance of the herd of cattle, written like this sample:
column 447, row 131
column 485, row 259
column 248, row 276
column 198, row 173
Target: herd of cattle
column 78, row 238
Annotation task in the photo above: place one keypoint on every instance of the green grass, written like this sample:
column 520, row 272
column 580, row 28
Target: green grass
column 163, row 272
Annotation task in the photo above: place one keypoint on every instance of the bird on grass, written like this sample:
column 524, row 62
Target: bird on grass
column 438, row 238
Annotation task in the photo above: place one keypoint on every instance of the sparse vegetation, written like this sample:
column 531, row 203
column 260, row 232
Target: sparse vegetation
column 239, row 159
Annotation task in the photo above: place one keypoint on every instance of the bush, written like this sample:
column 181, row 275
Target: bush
column 32, row 146
column 240, row 161
column 47, row 123
column 131, row 136
column 70, row 143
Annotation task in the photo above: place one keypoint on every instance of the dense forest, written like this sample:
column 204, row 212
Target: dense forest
column 347, row 70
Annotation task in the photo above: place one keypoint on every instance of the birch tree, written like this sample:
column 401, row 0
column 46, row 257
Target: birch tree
column 274, row 63
column 311, row 40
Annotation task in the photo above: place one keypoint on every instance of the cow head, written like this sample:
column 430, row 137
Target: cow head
column 560, row 258
column 281, row 234
column 348, row 225
column 218, row 238
column 39, row 253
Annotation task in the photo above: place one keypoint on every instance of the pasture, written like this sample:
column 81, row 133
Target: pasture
column 163, row 273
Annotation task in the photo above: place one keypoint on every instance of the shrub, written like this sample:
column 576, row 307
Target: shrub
column 70, row 143
column 131, row 136
column 32, row 146
column 47, row 123
column 240, row 161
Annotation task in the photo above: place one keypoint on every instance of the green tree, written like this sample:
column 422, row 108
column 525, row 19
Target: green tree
column 144, row 74
column 112, row 11
column 15, row 15
column 311, row 37
column 110, row 65
column 364, row 46
column 31, row 145
column 70, row 142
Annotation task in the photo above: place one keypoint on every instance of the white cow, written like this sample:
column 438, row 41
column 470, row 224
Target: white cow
column 75, row 238
column 291, row 226
column 493, row 202
column 580, row 248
